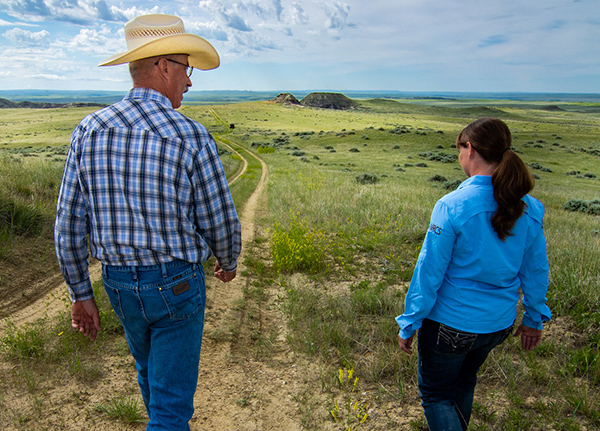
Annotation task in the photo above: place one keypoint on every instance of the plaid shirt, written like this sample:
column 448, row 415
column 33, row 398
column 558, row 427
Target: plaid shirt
column 147, row 185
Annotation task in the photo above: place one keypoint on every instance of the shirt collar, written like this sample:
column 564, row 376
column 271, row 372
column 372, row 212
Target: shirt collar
column 477, row 180
column 148, row 93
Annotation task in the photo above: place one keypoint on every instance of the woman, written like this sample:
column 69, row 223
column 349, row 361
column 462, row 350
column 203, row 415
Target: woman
column 485, row 240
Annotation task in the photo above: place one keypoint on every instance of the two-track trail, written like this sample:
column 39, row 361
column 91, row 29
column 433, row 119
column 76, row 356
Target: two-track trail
column 237, row 389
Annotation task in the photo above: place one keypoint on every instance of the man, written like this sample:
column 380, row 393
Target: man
column 145, row 183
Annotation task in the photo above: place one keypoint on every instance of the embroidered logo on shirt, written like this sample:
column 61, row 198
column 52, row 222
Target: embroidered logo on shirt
column 435, row 229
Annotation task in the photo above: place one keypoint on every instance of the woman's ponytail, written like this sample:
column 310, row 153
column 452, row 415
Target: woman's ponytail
column 511, row 180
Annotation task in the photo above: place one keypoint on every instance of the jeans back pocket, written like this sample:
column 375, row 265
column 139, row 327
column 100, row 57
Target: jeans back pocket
column 184, row 296
column 453, row 341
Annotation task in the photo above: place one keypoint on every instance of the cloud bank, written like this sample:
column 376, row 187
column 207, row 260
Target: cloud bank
column 436, row 45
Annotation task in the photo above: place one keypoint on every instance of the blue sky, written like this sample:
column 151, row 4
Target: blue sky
column 406, row 45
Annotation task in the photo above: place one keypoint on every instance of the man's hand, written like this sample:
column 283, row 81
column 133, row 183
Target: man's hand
column 224, row 276
column 406, row 345
column 85, row 318
column 530, row 338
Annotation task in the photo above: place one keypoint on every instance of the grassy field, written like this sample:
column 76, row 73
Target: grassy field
column 350, row 195
column 349, row 198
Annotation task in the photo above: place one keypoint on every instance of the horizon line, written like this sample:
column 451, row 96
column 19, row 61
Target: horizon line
column 321, row 90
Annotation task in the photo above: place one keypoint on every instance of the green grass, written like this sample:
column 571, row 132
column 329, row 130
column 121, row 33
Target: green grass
column 297, row 248
column 21, row 128
column 123, row 408
column 340, row 251
column 341, row 311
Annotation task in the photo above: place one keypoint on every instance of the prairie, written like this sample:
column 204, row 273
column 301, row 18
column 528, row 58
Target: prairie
column 335, row 236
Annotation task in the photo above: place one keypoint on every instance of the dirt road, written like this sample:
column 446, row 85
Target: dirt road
column 236, row 391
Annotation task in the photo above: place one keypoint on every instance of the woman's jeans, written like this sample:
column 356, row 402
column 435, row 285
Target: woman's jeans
column 162, row 311
column 448, row 363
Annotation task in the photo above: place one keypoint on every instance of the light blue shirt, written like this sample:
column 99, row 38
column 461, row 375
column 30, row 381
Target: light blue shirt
column 469, row 279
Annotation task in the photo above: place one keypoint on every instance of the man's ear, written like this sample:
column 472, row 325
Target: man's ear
column 163, row 68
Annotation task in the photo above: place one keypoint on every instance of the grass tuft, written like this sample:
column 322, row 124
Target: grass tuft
column 124, row 408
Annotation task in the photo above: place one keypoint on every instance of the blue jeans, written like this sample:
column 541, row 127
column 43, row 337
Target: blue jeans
column 448, row 363
column 162, row 311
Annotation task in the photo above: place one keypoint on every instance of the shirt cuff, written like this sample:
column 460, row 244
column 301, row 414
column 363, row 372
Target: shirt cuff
column 81, row 291
column 530, row 323
column 406, row 334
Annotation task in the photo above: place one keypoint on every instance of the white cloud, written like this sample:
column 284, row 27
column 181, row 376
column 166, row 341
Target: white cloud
column 208, row 30
column 82, row 12
column 27, row 38
column 12, row 24
column 337, row 15
column 96, row 41
column 298, row 16
column 130, row 13
column 47, row 77
column 236, row 22
column 439, row 42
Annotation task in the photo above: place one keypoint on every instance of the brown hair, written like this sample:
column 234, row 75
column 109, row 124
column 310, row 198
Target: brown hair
column 511, row 179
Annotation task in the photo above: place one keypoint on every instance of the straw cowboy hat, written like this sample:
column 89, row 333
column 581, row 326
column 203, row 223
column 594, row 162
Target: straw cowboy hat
column 158, row 34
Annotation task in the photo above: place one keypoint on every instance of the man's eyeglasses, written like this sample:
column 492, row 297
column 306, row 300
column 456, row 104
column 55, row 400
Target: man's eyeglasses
column 188, row 69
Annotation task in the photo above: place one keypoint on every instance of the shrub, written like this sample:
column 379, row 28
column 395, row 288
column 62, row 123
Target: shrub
column 297, row 248
column 438, row 178
column 594, row 208
column 452, row 185
column 265, row 150
column 19, row 218
column 579, row 205
column 398, row 130
column 367, row 178
column 438, row 157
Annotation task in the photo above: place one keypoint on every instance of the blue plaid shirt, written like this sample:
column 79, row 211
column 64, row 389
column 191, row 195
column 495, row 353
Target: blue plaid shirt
column 147, row 185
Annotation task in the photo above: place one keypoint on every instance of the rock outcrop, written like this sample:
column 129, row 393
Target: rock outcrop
column 328, row 101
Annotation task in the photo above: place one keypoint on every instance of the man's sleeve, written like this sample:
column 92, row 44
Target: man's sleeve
column 70, row 231
column 216, row 216
column 429, row 272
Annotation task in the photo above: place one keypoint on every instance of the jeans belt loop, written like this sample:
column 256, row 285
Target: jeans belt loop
column 163, row 268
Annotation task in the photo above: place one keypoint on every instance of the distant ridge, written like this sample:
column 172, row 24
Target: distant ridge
column 7, row 104
column 235, row 96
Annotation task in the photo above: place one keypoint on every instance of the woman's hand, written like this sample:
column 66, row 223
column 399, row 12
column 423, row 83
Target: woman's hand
column 530, row 338
column 406, row 345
